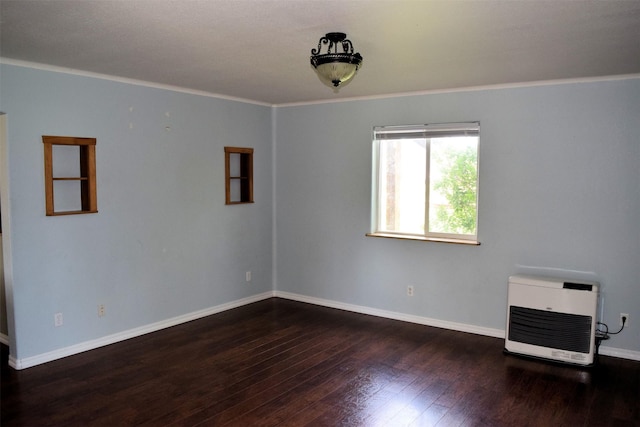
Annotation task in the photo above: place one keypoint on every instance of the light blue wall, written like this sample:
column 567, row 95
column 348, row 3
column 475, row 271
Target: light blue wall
column 163, row 243
column 559, row 195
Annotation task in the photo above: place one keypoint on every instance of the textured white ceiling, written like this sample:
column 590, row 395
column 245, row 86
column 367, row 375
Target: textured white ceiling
column 259, row 49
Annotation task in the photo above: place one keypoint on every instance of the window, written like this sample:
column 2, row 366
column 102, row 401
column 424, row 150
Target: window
column 238, row 166
column 73, row 182
column 425, row 182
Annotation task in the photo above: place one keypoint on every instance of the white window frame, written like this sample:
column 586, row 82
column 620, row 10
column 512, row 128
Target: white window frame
column 420, row 131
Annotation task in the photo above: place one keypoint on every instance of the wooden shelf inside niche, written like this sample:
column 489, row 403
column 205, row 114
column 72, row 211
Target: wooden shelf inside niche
column 86, row 178
column 238, row 162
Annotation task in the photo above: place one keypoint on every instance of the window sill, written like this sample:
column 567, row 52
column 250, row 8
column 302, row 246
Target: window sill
column 424, row 239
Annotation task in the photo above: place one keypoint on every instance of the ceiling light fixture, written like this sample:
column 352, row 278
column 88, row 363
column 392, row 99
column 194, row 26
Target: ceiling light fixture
column 335, row 69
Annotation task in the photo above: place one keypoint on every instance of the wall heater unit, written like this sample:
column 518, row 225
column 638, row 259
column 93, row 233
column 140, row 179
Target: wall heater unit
column 552, row 319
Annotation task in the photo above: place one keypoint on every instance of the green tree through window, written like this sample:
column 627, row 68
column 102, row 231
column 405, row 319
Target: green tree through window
column 458, row 184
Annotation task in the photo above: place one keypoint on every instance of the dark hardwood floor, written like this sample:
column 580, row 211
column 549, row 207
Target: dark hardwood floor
column 283, row 363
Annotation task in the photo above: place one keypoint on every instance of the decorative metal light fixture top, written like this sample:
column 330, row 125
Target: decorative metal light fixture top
column 335, row 69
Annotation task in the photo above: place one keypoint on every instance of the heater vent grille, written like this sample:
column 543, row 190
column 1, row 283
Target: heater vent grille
column 570, row 332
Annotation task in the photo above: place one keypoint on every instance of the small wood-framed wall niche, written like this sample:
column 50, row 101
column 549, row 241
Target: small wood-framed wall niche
column 238, row 169
column 70, row 182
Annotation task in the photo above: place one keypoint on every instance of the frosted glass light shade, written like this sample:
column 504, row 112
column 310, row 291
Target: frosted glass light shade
column 336, row 74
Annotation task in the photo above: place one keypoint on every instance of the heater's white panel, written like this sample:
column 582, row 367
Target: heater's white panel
column 552, row 318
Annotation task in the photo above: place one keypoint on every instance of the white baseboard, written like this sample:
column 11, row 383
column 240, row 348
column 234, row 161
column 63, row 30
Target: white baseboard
column 132, row 333
column 462, row 327
column 620, row 353
column 143, row 330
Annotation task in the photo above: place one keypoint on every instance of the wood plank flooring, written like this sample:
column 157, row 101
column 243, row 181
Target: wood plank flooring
column 284, row 363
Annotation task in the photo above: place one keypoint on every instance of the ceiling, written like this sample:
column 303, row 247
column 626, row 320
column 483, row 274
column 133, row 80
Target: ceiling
column 259, row 50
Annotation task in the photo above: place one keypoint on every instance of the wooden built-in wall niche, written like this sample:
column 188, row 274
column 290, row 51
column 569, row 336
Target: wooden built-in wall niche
column 238, row 169
column 70, row 175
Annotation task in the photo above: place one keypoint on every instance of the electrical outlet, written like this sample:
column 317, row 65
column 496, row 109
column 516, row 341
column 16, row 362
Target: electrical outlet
column 57, row 319
column 410, row 290
column 101, row 310
column 626, row 317
column 247, row 276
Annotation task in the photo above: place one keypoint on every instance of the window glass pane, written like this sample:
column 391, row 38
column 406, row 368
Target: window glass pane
column 402, row 186
column 453, row 185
